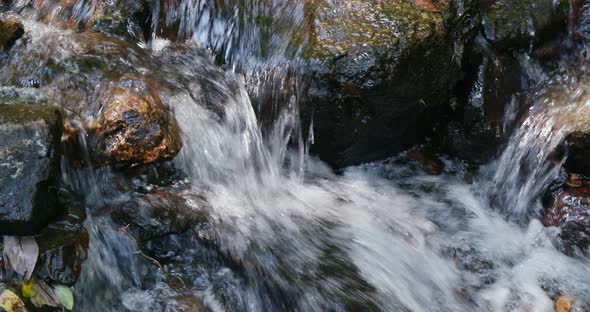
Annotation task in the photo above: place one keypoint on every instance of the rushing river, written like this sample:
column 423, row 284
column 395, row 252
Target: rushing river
column 287, row 233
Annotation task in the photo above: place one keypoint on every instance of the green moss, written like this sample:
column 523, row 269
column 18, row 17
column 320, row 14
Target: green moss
column 515, row 21
column 396, row 24
column 22, row 113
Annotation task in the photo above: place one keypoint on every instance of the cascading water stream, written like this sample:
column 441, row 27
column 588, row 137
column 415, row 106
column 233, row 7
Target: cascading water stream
column 381, row 236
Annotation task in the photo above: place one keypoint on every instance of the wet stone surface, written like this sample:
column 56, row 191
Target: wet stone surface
column 29, row 167
column 569, row 209
column 133, row 125
column 379, row 72
column 519, row 24
column 160, row 213
column 63, row 246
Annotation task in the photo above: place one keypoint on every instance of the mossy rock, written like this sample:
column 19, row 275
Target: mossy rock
column 381, row 71
column 518, row 23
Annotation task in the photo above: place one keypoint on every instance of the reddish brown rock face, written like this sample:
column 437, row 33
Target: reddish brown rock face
column 571, row 205
column 570, row 211
column 132, row 124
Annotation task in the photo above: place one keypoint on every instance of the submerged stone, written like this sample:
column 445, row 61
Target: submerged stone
column 63, row 247
column 29, row 167
column 161, row 213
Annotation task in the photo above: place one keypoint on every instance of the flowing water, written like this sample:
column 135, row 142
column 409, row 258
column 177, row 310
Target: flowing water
column 286, row 233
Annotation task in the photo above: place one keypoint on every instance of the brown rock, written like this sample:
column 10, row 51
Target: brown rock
column 429, row 162
column 572, row 204
column 10, row 31
column 133, row 125
column 569, row 209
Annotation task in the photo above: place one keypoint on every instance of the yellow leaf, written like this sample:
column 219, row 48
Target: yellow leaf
column 28, row 290
column 10, row 302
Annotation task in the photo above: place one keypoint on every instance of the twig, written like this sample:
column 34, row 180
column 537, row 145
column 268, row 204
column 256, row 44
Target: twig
column 139, row 252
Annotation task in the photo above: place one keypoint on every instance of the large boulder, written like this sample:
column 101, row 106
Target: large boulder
column 29, row 167
column 494, row 75
column 113, row 114
column 380, row 71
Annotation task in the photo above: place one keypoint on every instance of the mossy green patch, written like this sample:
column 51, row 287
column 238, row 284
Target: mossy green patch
column 396, row 24
column 516, row 22
column 25, row 113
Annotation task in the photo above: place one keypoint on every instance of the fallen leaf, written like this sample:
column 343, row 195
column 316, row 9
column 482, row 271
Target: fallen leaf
column 27, row 289
column 10, row 302
column 563, row 304
column 45, row 295
column 65, row 296
column 22, row 254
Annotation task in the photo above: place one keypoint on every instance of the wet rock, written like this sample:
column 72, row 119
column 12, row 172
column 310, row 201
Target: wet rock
column 380, row 71
column 17, row 96
column 569, row 209
column 63, row 247
column 580, row 19
column 161, row 213
column 119, row 18
column 574, row 239
column 132, row 125
column 476, row 129
column 126, row 19
column 10, row 31
column 112, row 113
column 519, row 23
column 29, row 167
column 572, row 204
column 578, row 147
column 425, row 159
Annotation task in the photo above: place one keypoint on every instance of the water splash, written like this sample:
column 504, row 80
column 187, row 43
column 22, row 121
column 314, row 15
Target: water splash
column 529, row 162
